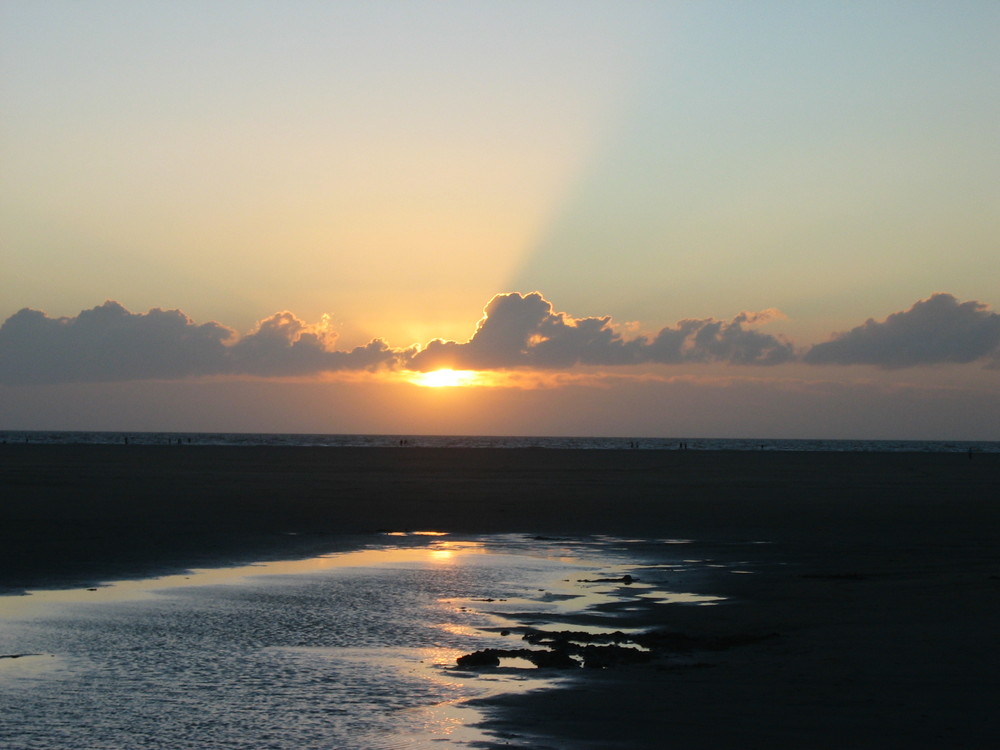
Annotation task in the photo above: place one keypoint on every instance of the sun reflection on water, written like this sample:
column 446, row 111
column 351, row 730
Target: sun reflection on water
column 459, row 595
column 434, row 553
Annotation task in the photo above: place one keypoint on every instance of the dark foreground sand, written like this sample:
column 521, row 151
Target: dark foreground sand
column 880, row 578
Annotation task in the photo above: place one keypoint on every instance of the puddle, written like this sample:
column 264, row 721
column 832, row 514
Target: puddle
column 676, row 597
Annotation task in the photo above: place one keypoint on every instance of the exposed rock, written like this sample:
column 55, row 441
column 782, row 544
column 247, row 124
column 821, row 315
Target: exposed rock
column 604, row 657
column 485, row 658
column 490, row 657
column 570, row 649
column 562, row 637
column 557, row 659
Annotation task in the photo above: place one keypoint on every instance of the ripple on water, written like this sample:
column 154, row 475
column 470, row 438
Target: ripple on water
column 355, row 649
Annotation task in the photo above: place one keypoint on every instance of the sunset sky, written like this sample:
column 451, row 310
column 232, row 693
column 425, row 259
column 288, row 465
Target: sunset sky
column 766, row 219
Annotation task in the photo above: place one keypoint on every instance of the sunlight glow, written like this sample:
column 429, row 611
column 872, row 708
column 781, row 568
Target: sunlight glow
column 521, row 379
column 448, row 378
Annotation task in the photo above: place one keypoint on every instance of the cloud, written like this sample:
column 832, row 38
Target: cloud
column 711, row 340
column 525, row 331
column 518, row 333
column 109, row 343
column 284, row 345
column 936, row 330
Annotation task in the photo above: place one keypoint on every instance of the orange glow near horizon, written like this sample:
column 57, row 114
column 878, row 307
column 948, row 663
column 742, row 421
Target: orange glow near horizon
column 525, row 379
column 447, row 378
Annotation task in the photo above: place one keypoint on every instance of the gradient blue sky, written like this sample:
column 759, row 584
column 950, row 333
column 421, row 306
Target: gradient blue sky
column 394, row 165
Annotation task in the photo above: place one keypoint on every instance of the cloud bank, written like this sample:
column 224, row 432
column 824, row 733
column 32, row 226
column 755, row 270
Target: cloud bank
column 936, row 330
column 108, row 343
column 517, row 331
column 525, row 331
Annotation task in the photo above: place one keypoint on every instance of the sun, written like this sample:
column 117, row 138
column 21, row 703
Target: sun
column 446, row 378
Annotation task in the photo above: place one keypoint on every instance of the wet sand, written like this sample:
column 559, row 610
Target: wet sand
column 879, row 578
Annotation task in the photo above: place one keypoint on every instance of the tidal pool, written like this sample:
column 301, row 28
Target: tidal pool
column 352, row 649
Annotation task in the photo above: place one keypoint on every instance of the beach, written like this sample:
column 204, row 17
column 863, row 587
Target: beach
column 867, row 619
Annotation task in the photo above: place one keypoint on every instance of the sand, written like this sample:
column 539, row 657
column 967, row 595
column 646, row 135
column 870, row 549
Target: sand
column 878, row 575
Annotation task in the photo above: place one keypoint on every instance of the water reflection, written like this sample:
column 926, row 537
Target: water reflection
column 345, row 649
column 34, row 602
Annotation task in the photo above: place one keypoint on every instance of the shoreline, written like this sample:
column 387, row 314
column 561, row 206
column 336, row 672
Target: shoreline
column 879, row 573
column 861, row 650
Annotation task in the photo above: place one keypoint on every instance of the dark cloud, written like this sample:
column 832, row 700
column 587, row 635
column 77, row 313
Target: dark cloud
column 711, row 340
column 936, row 330
column 109, row 343
column 284, row 345
column 525, row 331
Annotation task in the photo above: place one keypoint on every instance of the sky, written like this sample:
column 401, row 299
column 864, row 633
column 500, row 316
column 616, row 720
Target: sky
column 716, row 219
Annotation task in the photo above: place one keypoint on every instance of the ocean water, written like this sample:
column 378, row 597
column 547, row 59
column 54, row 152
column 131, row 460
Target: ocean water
column 474, row 441
column 349, row 650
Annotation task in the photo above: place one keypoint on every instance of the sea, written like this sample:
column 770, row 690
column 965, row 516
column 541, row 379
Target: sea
column 493, row 441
